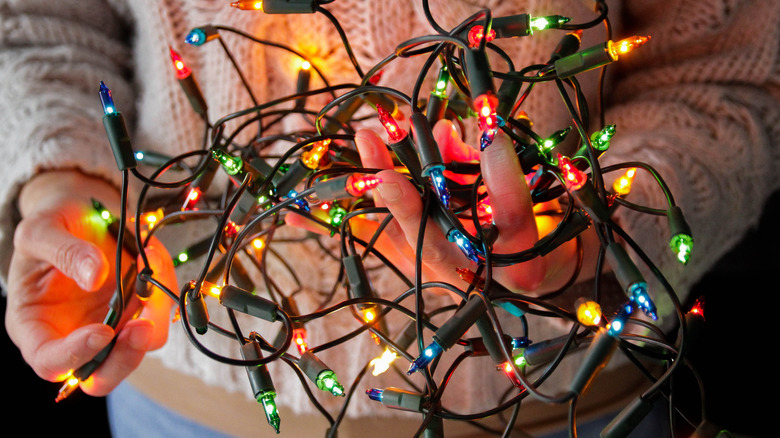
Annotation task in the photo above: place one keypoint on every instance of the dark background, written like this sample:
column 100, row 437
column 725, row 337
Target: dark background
column 732, row 356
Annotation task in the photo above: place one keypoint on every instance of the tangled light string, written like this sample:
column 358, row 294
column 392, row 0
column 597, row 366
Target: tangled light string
column 322, row 169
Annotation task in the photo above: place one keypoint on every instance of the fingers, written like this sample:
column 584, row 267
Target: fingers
column 512, row 208
column 134, row 340
column 46, row 237
column 451, row 146
column 403, row 200
column 52, row 356
column 373, row 152
column 157, row 308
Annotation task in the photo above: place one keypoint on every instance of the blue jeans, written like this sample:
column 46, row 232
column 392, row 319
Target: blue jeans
column 132, row 415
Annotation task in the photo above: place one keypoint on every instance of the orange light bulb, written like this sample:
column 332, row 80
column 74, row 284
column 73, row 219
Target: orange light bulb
column 625, row 45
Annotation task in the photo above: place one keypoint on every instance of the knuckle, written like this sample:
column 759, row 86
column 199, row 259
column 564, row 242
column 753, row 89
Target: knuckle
column 434, row 254
column 23, row 233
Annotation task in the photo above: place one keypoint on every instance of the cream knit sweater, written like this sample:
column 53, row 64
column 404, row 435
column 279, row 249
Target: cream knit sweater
column 699, row 103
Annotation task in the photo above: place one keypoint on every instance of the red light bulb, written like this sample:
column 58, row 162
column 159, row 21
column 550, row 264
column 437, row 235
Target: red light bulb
column 182, row 71
column 358, row 185
column 485, row 106
column 192, row 198
column 698, row 307
column 299, row 339
column 394, row 132
column 573, row 177
column 477, row 33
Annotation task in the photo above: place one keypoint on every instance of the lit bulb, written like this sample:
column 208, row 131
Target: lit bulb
column 231, row 164
column 210, row 289
column 299, row 339
column 555, row 139
column 622, row 185
column 192, row 199
column 600, row 140
column 152, row 218
column 615, row 49
column 549, row 22
column 682, row 245
column 248, row 5
column 588, row 312
column 485, row 211
column 369, row 314
column 383, row 362
column 698, row 307
column 487, row 119
column 440, row 89
column 182, row 71
column 394, row 132
column 572, row 177
column 106, row 101
column 477, row 33
column 313, row 156
column 358, row 185
column 327, row 381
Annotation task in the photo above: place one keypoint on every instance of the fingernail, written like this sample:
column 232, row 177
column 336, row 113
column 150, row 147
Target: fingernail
column 141, row 336
column 86, row 272
column 97, row 341
column 390, row 192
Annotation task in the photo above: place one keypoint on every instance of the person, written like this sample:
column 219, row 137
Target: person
column 699, row 104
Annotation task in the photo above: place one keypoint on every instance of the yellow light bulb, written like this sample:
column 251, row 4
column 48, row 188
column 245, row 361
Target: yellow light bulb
column 588, row 312
column 622, row 185
column 383, row 362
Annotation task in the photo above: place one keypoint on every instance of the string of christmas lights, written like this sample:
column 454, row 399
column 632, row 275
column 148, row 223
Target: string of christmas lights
column 320, row 177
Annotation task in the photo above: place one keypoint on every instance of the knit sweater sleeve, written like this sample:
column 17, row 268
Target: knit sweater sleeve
column 700, row 103
column 52, row 57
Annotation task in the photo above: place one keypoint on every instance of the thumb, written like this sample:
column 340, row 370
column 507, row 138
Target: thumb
column 47, row 238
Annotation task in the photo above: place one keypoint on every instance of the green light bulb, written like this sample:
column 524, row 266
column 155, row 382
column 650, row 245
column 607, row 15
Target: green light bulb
column 270, row 409
column 336, row 214
column 600, row 139
column 102, row 211
column 520, row 361
column 550, row 142
column 231, row 164
column 441, row 83
column 327, row 381
column 682, row 245
column 549, row 22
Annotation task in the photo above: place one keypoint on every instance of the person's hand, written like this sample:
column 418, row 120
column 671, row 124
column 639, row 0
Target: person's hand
column 62, row 278
column 509, row 196
column 512, row 210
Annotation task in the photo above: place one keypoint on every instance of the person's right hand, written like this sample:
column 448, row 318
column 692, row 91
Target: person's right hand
column 61, row 280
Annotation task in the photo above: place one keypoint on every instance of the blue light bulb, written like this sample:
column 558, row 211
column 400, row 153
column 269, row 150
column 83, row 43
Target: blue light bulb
column 440, row 185
column 106, row 100
column 196, row 37
column 375, row 394
column 619, row 322
column 300, row 202
column 465, row 245
column 429, row 353
column 639, row 296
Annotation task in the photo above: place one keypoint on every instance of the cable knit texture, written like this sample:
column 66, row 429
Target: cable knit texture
column 699, row 103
